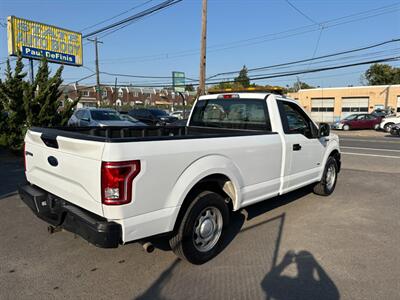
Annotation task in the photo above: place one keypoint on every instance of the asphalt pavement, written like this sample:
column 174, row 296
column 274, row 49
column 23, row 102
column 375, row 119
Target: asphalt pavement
column 297, row 246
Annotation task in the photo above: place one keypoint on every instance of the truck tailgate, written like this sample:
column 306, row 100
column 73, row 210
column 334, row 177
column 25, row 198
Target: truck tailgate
column 65, row 167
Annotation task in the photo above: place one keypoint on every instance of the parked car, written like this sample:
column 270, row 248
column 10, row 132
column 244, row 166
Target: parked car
column 182, row 185
column 395, row 129
column 152, row 116
column 358, row 121
column 180, row 114
column 388, row 122
column 128, row 118
column 94, row 117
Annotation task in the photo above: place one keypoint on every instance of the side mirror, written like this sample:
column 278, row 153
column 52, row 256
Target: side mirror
column 85, row 119
column 324, row 130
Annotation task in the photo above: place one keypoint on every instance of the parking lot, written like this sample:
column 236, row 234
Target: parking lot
column 297, row 246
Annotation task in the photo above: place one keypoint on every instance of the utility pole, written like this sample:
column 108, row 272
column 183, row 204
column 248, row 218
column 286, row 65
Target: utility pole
column 98, row 92
column 115, row 96
column 203, row 42
column 31, row 70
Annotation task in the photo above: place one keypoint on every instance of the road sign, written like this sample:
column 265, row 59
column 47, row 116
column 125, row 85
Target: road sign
column 178, row 81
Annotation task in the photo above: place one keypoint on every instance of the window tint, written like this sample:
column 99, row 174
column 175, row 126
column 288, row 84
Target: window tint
column 232, row 113
column 295, row 120
column 79, row 114
column 86, row 114
column 105, row 115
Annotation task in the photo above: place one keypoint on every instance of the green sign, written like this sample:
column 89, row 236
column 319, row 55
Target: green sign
column 178, row 81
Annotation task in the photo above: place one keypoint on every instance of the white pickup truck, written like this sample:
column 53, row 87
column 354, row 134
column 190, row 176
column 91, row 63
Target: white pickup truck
column 115, row 185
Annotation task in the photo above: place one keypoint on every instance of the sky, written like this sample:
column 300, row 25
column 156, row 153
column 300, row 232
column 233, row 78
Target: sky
column 254, row 33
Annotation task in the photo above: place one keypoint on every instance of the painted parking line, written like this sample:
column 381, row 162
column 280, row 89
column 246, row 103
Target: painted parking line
column 371, row 149
column 374, row 155
column 392, row 140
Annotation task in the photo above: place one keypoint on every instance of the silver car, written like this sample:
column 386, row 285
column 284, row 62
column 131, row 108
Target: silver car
column 101, row 117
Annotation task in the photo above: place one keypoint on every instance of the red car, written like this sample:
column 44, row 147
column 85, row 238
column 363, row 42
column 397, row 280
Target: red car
column 358, row 121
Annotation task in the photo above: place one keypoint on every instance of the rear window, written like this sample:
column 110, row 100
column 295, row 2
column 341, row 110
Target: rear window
column 105, row 115
column 232, row 113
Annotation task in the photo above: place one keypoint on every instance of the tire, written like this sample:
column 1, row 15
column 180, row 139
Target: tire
column 346, row 127
column 387, row 127
column 325, row 187
column 376, row 127
column 206, row 212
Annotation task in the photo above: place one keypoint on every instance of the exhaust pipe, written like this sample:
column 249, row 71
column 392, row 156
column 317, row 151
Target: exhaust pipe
column 53, row 229
column 147, row 247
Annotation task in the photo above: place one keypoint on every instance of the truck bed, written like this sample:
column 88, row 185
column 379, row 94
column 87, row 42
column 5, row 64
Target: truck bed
column 145, row 133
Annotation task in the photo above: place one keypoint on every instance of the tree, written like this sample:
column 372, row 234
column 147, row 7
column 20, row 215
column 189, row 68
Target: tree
column 382, row 74
column 12, row 98
column 298, row 85
column 24, row 104
column 189, row 88
column 243, row 79
column 44, row 109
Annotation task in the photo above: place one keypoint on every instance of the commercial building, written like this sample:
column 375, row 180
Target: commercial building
column 332, row 104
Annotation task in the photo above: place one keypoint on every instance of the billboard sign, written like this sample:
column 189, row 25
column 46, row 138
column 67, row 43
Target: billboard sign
column 178, row 81
column 36, row 40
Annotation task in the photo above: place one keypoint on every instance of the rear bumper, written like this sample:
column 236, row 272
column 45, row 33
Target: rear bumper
column 58, row 212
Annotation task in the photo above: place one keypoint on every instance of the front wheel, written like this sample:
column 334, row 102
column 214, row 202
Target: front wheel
column 328, row 182
column 201, row 232
column 346, row 127
column 388, row 127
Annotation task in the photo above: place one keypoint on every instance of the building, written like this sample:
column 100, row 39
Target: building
column 124, row 96
column 332, row 104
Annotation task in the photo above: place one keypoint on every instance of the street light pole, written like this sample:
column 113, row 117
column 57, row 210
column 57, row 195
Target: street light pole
column 203, row 42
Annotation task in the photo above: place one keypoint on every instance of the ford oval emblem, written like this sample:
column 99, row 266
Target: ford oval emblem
column 52, row 161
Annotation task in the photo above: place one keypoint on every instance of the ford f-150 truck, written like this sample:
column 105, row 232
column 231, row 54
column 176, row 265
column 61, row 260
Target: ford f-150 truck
column 116, row 185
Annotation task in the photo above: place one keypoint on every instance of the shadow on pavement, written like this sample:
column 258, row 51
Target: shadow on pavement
column 236, row 274
column 11, row 173
column 310, row 282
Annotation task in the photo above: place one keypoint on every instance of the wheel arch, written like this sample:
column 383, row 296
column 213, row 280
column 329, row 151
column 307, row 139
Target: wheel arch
column 223, row 178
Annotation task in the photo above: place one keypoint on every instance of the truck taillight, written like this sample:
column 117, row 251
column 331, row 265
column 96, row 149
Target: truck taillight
column 116, row 181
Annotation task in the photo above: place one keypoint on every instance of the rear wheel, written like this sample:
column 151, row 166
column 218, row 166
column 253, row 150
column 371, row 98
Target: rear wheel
column 328, row 182
column 201, row 232
column 388, row 126
column 346, row 127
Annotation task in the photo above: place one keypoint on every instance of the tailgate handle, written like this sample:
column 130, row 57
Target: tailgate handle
column 50, row 141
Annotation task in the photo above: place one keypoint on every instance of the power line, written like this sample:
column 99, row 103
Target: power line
column 302, row 13
column 136, row 16
column 292, row 73
column 116, row 16
column 311, row 59
column 264, row 38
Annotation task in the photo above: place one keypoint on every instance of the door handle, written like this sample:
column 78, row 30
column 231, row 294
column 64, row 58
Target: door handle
column 296, row 147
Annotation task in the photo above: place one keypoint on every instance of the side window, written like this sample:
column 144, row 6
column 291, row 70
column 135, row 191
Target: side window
column 361, row 117
column 79, row 114
column 86, row 114
column 295, row 120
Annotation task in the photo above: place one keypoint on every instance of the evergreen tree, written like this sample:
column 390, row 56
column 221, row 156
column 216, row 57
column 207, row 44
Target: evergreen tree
column 12, row 97
column 243, row 79
column 44, row 108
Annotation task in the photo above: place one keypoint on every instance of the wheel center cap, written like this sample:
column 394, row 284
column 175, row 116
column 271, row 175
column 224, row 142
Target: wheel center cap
column 206, row 228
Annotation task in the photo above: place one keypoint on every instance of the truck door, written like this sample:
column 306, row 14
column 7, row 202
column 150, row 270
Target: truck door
column 304, row 150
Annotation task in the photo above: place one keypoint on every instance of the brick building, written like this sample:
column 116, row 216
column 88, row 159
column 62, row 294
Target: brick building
column 122, row 96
